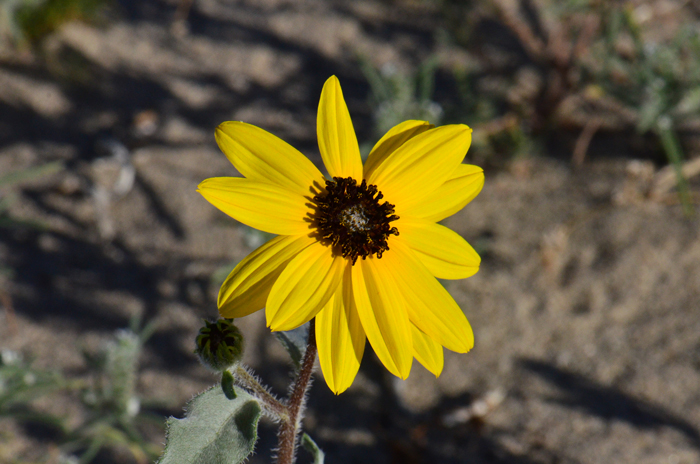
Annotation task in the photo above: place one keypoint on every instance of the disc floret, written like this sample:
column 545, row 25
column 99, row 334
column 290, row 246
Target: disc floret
column 352, row 218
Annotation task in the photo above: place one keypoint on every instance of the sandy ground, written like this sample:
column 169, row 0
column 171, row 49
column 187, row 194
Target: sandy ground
column 586, row 310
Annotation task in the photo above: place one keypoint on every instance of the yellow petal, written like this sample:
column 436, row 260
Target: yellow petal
column 246, row 288
column 421, row 165
column 382, row 310
column 304, row 287
column 430, row 307
column 461, row 188
column 266, row 207
column 261, row 156
column 397, row 136
column 340, row 337
column 445, row 253
column 336, row 135
column 427, row 351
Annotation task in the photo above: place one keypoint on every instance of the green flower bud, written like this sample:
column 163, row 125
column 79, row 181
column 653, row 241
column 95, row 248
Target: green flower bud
column 219, row 345
column 227, row 384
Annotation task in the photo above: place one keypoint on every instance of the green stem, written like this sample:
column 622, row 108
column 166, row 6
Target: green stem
column 296, row 403
column 30, row 173
column 674, row 154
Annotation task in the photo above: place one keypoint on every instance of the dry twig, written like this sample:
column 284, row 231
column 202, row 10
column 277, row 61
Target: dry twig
column 583, row 141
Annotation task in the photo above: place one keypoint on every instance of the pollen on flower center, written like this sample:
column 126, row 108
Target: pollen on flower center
column 352, row 218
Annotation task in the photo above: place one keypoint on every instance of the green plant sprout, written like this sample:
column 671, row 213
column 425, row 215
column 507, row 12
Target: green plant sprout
column 583, row 65
column 660, row 81
column 115, row 409
column 398, row 96
column 114, row 412
column 27, row 22
column 20, row 384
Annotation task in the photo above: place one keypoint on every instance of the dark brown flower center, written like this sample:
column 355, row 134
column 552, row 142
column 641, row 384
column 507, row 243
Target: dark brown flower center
column 352, row 218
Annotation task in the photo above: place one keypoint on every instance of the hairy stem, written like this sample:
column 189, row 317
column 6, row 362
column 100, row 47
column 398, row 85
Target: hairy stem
column 269, row 402
column 289, row 430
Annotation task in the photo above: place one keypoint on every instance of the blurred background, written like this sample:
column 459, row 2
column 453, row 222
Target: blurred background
column 586, row 311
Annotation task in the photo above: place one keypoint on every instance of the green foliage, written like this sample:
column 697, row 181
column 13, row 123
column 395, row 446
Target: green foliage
column 311, row 446
column 29, row 21
column 294, row 341
column 112, row 401
column 579, row 66
column 117, row 367
column 398, row 96
column 215, row 430
column 657, row 79
column 112, row 405
column 20, row 384
column 9, row 16
column 14, row 178
column 675, row 157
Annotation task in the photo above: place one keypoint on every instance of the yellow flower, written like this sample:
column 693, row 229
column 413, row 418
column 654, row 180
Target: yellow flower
column 361, row 252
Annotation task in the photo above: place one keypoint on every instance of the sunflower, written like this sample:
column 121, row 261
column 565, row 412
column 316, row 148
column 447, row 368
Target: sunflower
column 361, row 252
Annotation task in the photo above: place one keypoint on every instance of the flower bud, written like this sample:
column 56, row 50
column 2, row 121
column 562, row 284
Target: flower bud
column 219, row 345
column 227, row 385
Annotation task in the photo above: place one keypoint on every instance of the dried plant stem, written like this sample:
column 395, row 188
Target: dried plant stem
column 183, row 10
column 532, row 44
column 289, row 430
column 583, row 141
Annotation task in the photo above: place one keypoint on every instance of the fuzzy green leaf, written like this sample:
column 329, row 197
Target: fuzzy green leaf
column 311, row 446
column 294, row 341
column 215, row 430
